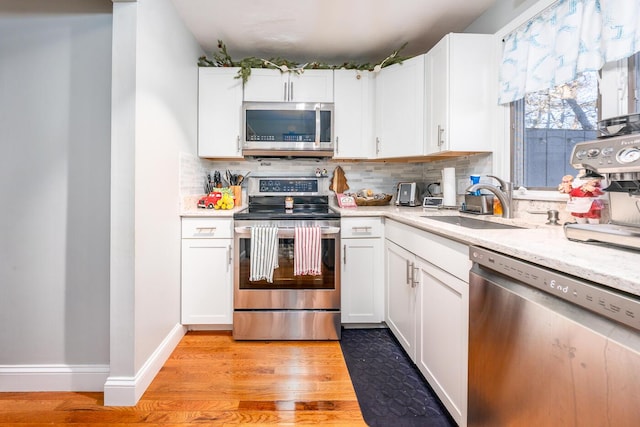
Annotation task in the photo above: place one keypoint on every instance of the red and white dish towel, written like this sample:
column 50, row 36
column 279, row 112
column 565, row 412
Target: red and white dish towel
column 307, row 243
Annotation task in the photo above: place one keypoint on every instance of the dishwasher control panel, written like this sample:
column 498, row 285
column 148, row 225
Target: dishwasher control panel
column 612, row 304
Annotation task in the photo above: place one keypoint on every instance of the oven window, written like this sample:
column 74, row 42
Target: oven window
column 283, row 277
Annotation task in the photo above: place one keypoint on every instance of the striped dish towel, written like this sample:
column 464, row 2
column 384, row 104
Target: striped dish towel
column 306, row 251
column 264, row 253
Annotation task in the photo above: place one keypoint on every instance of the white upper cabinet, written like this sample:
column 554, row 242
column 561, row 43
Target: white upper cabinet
column 269, row 85
column 354, row 110
column 460, row 97
column 400, row 109
column 219, row 112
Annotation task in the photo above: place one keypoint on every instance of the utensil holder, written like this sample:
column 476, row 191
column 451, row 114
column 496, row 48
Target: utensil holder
column 237, row 194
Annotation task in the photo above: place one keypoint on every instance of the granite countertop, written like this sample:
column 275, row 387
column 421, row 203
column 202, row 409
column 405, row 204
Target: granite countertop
column 538, row 243
column 541, row 244
column 190, row 208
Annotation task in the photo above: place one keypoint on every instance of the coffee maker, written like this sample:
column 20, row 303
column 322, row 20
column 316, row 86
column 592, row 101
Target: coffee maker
column 616, row 157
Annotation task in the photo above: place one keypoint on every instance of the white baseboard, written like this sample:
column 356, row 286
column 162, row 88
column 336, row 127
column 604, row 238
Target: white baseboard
column 126, row 391
column 29, row 378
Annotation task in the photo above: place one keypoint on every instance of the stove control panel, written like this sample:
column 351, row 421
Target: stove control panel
column 272, row 185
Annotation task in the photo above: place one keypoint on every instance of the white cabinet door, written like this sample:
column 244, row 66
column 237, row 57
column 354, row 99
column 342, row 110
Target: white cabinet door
column 442, row 336
column 266, row 85
column 219, row 112
column 460, row 96
column 354, row 110
column 207, row 266
column 400, row 109
column 362, row 285
column 401, row 294
column 270, row 85
column 311, row 86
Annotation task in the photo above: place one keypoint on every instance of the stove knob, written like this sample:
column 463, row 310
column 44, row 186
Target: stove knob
column 593, row 152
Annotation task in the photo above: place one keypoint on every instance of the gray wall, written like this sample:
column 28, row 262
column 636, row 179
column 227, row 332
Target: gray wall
column 499, row 15
column 55, row 83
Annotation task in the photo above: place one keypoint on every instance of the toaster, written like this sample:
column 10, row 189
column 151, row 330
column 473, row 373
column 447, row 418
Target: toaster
column 407, row 194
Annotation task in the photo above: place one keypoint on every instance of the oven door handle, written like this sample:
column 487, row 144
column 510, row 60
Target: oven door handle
column 289, row 231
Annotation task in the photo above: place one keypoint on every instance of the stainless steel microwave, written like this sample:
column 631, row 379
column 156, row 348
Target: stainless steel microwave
column 287, row 129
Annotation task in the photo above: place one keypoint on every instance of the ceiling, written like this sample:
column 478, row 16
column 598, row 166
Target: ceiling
column 330, row 31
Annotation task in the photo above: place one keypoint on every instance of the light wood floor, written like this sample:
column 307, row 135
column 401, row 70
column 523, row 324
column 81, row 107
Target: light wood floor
column 212, row 380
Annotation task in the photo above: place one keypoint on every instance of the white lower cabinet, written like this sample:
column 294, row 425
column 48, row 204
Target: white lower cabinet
column 428, row 308
column 207, row 271
column 442, row 336
column 362, row 284
column 402, row 296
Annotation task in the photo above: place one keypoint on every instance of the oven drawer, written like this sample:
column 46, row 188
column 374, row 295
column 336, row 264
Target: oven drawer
column 361, row 227
column 207, row 228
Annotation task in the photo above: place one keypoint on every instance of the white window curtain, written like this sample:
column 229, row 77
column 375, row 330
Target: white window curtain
column 570, row 37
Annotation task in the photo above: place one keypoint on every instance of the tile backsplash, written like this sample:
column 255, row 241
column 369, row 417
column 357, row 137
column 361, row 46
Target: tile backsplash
column 382, row 177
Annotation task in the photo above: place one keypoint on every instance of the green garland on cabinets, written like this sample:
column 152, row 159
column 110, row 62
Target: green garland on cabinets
column 223, row 59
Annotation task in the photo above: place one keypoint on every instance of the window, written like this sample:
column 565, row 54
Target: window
column 545, row 127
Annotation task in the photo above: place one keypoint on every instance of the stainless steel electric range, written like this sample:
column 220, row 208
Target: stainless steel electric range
column 287, row 305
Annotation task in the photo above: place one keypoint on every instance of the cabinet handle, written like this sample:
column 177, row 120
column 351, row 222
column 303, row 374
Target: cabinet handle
column 440, row 132
column 377, row 145
column 344, row 254
column 414, row 282
column 337, row 139
column 285, row 91
column 408, row 272
column 291, row 91
column 362, row 229
column 211, row 229
column 230, row 253
column 238, row 143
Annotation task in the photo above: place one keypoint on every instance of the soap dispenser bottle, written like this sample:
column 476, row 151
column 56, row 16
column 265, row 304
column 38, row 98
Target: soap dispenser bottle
column 497, row 206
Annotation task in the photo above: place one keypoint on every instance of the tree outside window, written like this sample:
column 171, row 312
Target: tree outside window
column 546, row 125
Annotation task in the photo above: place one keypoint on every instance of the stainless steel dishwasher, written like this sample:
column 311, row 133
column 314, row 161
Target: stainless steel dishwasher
column 548, row 349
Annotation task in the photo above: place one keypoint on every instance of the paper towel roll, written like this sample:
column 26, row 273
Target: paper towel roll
column 449, row 186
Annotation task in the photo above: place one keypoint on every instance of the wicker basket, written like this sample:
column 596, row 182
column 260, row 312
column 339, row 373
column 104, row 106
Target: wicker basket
column 374, row 202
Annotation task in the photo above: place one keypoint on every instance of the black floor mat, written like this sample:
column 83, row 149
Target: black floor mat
column 390, row 389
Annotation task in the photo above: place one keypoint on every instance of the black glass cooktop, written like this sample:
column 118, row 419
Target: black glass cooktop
column 274, row 207
column 298, row 212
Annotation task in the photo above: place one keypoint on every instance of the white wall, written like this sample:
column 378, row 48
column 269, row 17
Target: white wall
column 155, row 119
column 55, row 82
column 500, row 14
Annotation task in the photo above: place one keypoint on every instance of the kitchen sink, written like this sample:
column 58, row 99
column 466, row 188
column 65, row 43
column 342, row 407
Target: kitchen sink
column 464, row 221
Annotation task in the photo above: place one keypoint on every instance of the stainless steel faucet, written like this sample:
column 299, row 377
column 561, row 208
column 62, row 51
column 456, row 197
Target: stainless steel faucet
column 504, row 193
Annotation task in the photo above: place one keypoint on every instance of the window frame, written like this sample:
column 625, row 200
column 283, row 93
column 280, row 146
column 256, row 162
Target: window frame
column 517, row 130
column 610, row 104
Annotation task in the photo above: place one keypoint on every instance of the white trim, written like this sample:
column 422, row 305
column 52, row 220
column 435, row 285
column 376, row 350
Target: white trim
column 58, row 377
column 126, row 391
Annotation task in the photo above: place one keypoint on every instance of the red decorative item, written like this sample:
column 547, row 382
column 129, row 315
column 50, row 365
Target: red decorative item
column 588, row 188
column 209, row 201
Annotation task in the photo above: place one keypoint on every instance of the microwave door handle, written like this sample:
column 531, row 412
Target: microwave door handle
column 317, row 142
